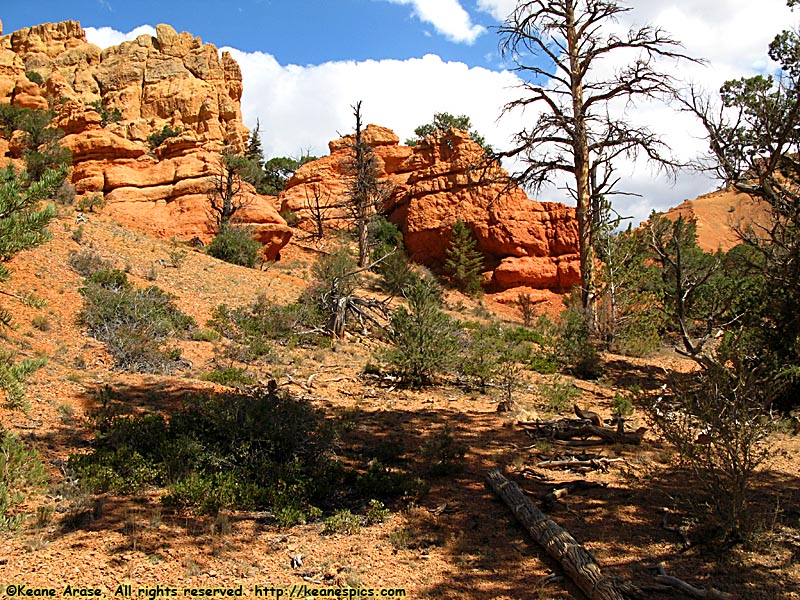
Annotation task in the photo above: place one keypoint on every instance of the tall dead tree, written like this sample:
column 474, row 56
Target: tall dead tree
column 224, row 193
column 365, row 192
column 318, row 206
column 557, row 47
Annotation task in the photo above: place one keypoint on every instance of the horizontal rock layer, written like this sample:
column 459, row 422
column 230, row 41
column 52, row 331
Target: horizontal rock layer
column 169, row 80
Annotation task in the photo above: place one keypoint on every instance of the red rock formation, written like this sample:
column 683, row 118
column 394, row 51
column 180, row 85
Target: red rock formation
column 439, row 181
column 171, row 79
column 719, row 214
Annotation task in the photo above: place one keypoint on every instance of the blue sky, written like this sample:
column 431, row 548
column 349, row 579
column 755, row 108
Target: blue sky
column 305, row 62
column 301, row 32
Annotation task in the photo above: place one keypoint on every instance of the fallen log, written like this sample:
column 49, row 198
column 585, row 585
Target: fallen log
column 567, row 431
column 599, row 463
column 577, row 562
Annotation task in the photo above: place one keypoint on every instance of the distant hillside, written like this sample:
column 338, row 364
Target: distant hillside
column 718, row 214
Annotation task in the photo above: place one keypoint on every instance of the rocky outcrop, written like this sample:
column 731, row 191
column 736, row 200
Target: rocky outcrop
column 719, row 214
column 443, row 179
column 169, row 80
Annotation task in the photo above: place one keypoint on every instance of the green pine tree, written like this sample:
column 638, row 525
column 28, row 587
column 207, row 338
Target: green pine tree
column 443, row 122
column 422, row 335
column 23, row 222
column 462, row 261
column 254, row 151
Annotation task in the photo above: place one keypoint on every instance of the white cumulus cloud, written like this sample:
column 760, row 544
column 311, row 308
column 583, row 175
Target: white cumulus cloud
column 301, row 108
column 448, row 17
column 499, row 9
column 106, row 36
column 731, row 35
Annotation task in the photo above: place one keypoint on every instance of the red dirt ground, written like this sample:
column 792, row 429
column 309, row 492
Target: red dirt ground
column 469, row 548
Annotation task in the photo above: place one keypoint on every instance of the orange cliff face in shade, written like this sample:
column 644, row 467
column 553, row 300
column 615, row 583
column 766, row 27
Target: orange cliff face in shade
column 170, row 80
column 435, row 183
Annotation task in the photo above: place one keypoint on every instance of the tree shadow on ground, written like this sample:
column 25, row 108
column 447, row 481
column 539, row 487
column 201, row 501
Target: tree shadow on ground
column 488, row 554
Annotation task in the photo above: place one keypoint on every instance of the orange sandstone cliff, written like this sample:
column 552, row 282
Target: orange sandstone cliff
column 170, row 79
column 432, row 185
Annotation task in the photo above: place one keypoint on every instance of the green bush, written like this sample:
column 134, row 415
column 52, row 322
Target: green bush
column 478, row 359
column 257, row 328
column 134, row 323
column 21, row 472
column 91, row 202
column 239, row 451
column 235, row 245
column 574, row 344
column 442, row 453
column 723, row 433
column 65, row 195
column 335, row 277
column 331, row 269
column 42, row 323
column 342, row 521
column 622, row 405
column 558, row 395
column 120, row 470
column 109, row 115
column 526, row 306
column 544, row 362
column 380, row 482
column 13, row 377
column 209, row 493
column 42, row 151
column 384, row 236
column 88, row 262
column 289, row 516
column 377, row 513
column 159, row 137
column 396, row 272
column 34, row 77
column 230, row 376
column 203, row 334
column 422, row 335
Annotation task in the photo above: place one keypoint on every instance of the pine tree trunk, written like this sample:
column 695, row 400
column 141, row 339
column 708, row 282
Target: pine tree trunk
column 583, row 193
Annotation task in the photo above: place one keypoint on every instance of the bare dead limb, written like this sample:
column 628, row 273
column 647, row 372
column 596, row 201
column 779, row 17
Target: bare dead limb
column 22, row 299
column 300, row 384
column 561, row 490
column 689, row 590
column 677, row 530
column 364, row 310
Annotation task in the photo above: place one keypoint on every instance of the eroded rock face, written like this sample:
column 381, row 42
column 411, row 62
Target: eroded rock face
column 441, row 180
column 170, row 80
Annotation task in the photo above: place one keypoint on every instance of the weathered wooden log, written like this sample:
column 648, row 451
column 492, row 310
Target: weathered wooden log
column 568, row 431
column 570, row 463
column 576, row 561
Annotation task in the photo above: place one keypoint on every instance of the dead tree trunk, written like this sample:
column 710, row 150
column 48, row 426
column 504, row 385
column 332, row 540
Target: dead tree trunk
column 576, row 561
